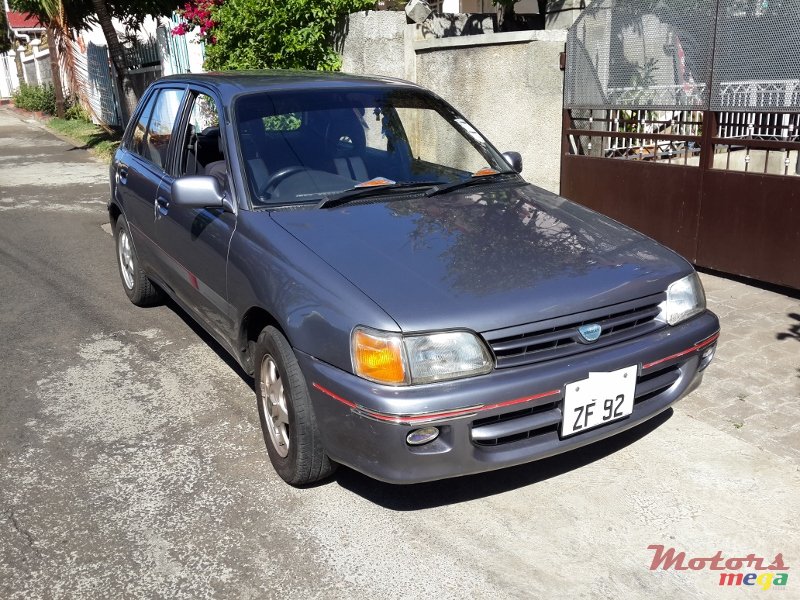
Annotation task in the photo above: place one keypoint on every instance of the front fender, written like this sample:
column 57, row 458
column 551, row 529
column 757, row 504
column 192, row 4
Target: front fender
column 314, row 304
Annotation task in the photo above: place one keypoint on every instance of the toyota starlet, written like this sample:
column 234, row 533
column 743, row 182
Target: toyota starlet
column 407, row 304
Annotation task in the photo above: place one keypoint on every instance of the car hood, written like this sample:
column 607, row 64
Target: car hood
column 484, row 258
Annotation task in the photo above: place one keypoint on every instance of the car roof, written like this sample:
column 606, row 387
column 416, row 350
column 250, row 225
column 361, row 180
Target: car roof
column 230, row 83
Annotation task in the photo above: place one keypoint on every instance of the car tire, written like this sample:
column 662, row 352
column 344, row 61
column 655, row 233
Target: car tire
column 287, row 417
column 139, row 289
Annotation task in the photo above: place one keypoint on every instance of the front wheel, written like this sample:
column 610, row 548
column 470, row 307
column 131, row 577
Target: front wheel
column 287, row 418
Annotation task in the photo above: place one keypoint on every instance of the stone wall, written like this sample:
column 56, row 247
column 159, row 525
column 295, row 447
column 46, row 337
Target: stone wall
column 507, row 84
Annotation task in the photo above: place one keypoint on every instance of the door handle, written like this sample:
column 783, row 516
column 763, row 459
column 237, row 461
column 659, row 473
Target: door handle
column 161, row 207
column 122, row 173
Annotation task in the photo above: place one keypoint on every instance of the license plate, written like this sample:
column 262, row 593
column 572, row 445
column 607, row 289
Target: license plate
column 598, row 399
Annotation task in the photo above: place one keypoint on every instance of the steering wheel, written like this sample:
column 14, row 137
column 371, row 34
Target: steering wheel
column 278, row 176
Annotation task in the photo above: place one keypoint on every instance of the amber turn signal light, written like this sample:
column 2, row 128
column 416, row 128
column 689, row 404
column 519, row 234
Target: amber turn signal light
column 378, row 356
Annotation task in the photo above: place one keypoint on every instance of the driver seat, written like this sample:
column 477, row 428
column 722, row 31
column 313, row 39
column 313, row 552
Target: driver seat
column 218, row 168
column 252, row 142
column 346, row 143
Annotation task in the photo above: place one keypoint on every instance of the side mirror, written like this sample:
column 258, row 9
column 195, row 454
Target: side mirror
column 514, row 160
column 198, row 191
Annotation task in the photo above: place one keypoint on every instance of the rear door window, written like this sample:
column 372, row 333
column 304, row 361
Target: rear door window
column 136, row 143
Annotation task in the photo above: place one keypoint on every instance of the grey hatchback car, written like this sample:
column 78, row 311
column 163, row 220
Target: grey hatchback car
column 406, row 303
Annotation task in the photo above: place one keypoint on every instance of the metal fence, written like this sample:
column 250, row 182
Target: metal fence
column 147, row 58
column 8, row 76
column 140, row 54
column 757, row 56
column 641, row 53
column 177, row 48
column 685, row 54
column 682, row 119
column 101, row 85
column 641, row 75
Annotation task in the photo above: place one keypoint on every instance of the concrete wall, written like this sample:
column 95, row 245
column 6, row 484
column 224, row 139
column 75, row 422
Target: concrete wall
column 561, row 14
column 507, row 84
column 36, row 66
column 375, row 44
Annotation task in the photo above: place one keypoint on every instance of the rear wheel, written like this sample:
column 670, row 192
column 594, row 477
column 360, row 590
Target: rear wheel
column 139, row 289
column 287, row 418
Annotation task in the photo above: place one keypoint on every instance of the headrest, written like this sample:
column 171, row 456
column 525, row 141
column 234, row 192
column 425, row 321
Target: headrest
column 210, row 138
column 344, row 135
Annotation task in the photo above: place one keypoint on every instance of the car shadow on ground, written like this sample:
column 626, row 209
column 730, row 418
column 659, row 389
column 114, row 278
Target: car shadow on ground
column 472, row 487
column 210, row 342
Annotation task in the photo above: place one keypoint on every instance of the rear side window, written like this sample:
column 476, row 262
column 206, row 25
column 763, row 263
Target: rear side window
column 153, row 131
column 140, row 131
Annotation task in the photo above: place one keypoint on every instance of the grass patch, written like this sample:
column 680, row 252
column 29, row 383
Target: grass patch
column 88, row 136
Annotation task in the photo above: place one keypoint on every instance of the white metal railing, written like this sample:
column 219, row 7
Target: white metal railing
column 769, row 94
column 759, row 125
column 657, row 95
column 8, row 80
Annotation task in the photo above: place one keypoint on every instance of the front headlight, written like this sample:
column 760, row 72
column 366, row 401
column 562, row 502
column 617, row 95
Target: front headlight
column 685, row 298
column 395, row 359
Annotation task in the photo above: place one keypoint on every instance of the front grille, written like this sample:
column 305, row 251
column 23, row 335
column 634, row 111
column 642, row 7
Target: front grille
column 541, row 423
column 517, row 414
column 556, row 338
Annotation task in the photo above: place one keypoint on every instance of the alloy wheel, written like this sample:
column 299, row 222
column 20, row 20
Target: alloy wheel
column 125, row 258
column 273, row 399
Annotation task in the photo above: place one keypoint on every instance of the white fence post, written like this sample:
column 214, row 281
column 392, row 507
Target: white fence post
column 9, row 82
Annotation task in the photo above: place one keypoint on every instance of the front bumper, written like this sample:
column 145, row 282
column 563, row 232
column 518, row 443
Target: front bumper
column 508, row 417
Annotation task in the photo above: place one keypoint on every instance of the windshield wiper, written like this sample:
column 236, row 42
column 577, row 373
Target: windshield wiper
column 474, row 180
column 361, row 190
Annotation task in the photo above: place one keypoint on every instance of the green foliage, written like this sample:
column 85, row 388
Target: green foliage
column 279, row 34
column 101, row 143
column 287, row 122
column 36, row 97
column 76, row 112
column 5, row 41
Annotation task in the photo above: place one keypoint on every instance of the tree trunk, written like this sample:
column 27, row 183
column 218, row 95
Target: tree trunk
column 543, row 12
column 58, row 88
column 18, row 63
column 117, row 54
column 506, row 17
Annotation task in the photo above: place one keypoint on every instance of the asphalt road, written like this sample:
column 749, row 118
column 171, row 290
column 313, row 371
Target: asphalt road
column 132, row 464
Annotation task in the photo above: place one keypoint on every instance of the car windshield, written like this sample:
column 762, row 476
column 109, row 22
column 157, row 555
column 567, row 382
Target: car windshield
column 306, row 146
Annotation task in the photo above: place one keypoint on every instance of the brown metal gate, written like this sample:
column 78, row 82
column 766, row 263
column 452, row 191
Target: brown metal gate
column 682, row 119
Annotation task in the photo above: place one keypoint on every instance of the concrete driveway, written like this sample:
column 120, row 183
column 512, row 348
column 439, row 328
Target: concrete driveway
column 132, row 464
